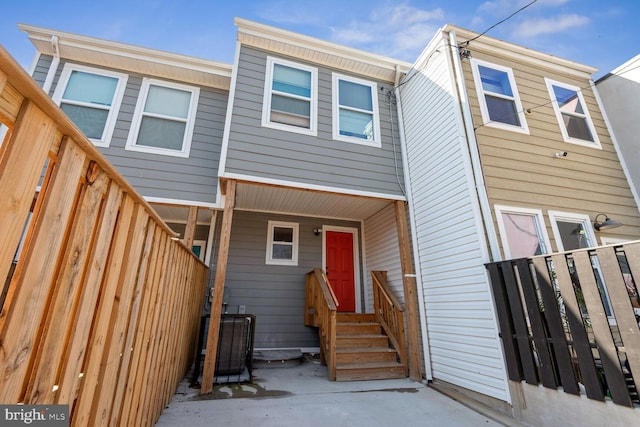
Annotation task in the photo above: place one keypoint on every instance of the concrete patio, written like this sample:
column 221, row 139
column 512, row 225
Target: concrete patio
column 297, row 393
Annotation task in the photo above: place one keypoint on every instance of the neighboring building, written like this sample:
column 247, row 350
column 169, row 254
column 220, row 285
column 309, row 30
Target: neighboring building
column 620, row 90
column 500, row 151
column 508, row 156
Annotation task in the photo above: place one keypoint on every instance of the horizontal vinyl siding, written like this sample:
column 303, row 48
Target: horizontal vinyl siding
column 276, row 154
column 522, row 170
column 382, row 253
column 275, row 294
column 42, row 68
column 154, row 175
column 461, row 327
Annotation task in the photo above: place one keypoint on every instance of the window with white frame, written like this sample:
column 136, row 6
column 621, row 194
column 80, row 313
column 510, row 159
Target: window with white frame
column 500, row 104
column 282, row 243
column 571, row 110
column 164, row 118
column 91, row 98
column 355, row 111
column 574, row 231
column 290, row 100
column 522, row 232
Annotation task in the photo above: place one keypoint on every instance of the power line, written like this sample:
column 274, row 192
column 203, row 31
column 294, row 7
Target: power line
column 500, row 22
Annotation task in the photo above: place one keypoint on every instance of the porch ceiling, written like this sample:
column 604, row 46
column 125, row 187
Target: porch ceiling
column 179, row 214
column 306, row 202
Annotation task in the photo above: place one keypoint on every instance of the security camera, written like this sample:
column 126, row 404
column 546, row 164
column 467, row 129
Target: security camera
column 562, row 154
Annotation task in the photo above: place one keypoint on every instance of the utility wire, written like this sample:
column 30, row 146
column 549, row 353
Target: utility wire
column 500, row 22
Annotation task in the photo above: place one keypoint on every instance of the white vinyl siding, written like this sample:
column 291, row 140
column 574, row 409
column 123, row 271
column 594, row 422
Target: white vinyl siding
column 462, row 331
column 572, row 114
column 382, row 250
column 164, row 118
column 498, row 95
column 290, row 97
column 91, row 98
column 355, row 111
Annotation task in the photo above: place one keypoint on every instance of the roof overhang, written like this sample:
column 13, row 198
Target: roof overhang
column 520, row 53
column 130, row 58
column 319, row 51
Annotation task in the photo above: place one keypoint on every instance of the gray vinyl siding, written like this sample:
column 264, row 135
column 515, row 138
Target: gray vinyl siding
column 192, row 179
column 319, row 160
column 464, row 347
column 41, row 69
column 275, row 294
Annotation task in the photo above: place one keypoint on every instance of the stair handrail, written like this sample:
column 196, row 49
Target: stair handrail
column 320, row 311
column 389, row 313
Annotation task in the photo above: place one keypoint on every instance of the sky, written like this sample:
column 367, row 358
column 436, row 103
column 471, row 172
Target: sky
column 598, row 33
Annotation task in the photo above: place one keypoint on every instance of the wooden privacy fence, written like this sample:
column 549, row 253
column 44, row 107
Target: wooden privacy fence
column 567, row 320
column 100, row 305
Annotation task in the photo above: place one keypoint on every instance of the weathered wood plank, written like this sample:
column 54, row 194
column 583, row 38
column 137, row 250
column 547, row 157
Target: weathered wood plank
column 218, row 290
column 558, row 339
column 545, row 364
column 574, row 319
column 34, row 278
column 58, row 325
column 24, row 156
column 630, row 332
column 10, row 101
column 514, row 366
column 190, row 228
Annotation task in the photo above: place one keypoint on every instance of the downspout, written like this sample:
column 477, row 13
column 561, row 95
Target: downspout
column 474, row 153
column 46, row 86
column 414, row 237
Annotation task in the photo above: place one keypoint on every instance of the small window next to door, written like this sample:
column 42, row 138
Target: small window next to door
column 522, row 232
column 282, row 243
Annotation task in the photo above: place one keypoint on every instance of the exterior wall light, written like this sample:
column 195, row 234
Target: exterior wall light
column 607, row 224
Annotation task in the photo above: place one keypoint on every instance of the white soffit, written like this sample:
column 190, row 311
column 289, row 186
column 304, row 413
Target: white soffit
column 319, row 51
column 131, row 58
column 306, row 203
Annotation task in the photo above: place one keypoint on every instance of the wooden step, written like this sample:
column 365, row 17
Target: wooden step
column 349, row 328
column 369, row 371
column 355, row 317
column 365, row 355
column 361, row 340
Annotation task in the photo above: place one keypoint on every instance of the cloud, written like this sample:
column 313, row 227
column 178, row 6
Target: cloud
column 400, row 31
column 556, row 24
column 504, row 6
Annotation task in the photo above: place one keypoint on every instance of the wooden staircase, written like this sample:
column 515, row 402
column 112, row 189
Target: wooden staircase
column 357, row 346
column 362, row 350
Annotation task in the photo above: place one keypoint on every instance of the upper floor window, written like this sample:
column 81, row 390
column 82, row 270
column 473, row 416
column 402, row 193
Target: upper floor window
column 164, row 118
column 571, row 110
column 290, row 101
column 498, row 96
column 91, row 98
column 522, row 232
column 282, row 243
column 355, row 111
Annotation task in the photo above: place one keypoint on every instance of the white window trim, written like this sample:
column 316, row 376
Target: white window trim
column 537, row 213
column 294, row 253
column 266, row 106
column 486, row 120
column 565, row 134
column 137, row 119
column 555, row 216
column 110, row 124
column 202, row 245
column 377, row 141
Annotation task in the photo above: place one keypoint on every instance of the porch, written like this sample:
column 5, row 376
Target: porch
column 567, row 321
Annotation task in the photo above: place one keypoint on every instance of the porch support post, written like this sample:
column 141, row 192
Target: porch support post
column 410, row 296
column 190, row 229
column 218, row 290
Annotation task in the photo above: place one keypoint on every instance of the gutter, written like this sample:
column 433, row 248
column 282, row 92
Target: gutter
column 46, row 86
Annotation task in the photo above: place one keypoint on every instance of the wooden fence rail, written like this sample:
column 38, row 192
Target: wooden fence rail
column 567, row 320
column 100, row 304
column 389, row 313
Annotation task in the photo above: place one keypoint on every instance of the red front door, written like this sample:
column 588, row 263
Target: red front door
column 340, row 268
